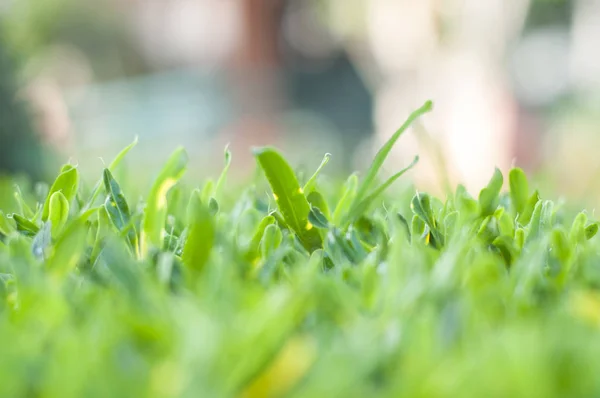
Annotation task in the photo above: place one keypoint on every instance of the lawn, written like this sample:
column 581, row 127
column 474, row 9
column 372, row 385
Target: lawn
column 292, row 287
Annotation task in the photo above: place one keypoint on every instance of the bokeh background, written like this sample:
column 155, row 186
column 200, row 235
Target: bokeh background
column 514, row 83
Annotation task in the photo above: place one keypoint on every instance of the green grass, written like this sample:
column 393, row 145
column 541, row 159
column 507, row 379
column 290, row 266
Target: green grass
column 303, row 292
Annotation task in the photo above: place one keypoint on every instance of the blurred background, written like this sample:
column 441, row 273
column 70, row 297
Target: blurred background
column 513, row 82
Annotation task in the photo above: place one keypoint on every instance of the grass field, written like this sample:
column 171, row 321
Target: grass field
column 295, row 288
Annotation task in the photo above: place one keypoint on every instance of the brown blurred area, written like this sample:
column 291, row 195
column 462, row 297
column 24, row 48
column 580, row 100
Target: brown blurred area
column 513, row 82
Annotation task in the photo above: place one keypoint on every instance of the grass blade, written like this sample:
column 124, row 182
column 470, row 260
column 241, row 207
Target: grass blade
column 360, row 208
column 317, row 200
column 116, row 204
column 59, row 212
column 346, row 200
column 519, row 189
column 310, row 184
column 69, row 249
column 488, row 197
column 67, row 182
column 289, row 196
column 221, row 179
column 118, row 209
column 24, row 226
column 385, row 150
column 201, row 235
column 156, row 207
column 113, row 165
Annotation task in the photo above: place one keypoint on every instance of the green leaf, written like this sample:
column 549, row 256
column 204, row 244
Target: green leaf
column 310, row 184
column 488, row 229
column 252, row 251
column 118, row 209
column 89, row 212
column 289, row 196
column 465, row 204
column 505, row 246
column 591, row 231
column 345, row 245
column 506, row 225
column 525, row 217
column 315, row 199
column 346, row 199
column 317, row 218
column 519, row 189
column 577, row 234
column 560, row 244
column 24, row 226
column 69, row 249
column 101, row 233
column 421, row 206
column 535, row 222
column 221, row 179
column 360, row 207
column 213, row 206
column 279, row 219
column 113, row 165
column 417, row 226
column 201, row 235
column 67, row 182
column 207, row 190
column 116, row 204
column 271, row 240
column 385, row 150
column 24, row 208
column 488, row 197
column 59, row 212
column 519, row 238
column 156, row 207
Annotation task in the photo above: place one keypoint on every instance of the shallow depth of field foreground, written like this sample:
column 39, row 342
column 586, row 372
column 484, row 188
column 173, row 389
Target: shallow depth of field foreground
column 295, row 287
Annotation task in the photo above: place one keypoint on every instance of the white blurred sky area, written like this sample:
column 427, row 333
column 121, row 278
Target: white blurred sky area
column 513, row 82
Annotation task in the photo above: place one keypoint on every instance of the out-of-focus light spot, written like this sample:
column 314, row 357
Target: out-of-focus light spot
column 188, row 31
column 400, row 32
column 540, row 66
column 585, row 61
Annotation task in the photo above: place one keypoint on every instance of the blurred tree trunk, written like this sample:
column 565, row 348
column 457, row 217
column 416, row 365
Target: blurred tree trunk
column 254, row 77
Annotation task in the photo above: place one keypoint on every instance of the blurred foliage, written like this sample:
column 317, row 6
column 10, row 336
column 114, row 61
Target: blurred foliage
column 34, row 26
column 549, row 12
column 20, row 148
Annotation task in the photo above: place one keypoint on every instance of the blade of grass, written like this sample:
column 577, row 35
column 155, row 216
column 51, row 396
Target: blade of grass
column 156, row 206
column 221, row 179
column 289, row 196
column 68, row 250
column 383, row 153
column 67, row 182
column 201, row 236
column 310, row 184
column 59, row 212
column 113, row 165
column 361, row 207
column 118, row 209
